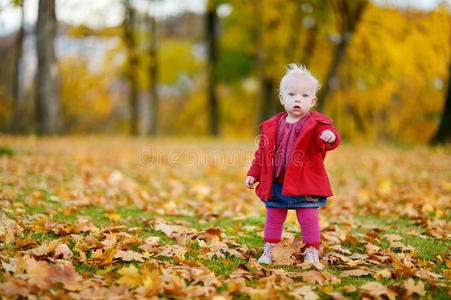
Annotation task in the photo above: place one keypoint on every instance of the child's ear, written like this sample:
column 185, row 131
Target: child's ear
column 314, row 101
column 281, row 98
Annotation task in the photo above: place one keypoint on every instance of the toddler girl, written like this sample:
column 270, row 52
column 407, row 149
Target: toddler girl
column 289, row 165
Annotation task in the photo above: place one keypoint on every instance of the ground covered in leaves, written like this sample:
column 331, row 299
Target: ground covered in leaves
column 97, row 217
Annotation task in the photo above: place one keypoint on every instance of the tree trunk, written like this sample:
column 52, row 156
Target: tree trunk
column 310, row 45
column 265, row 103
column 443, row 134
column 132, row 65
column 16, row 120
column 332, row 81
column 153, row 75
column 47, row 98
column 350, row 13
column 295, row 34
column 211, row 31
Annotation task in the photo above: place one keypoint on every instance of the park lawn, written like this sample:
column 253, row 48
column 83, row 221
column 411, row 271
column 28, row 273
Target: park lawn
column 97, row 197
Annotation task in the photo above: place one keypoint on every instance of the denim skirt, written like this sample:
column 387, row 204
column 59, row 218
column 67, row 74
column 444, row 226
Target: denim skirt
column 291, row 202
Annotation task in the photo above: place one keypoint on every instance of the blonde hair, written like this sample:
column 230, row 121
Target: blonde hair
column 293, row 69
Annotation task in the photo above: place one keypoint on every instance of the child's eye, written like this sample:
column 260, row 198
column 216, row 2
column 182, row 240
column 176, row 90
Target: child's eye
column 290, row 94
column 305, row 95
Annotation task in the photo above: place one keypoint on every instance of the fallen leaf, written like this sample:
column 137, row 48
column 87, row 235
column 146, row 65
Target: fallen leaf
column 354, row 273
column 169, row 229
column 284, row 251
column 414, row 288
column 303, row 292
column 376, row 289
column 63, row 250
column 129, row 255
column 45, row 249
column 130, row 276
column 13, row 230
column 39, row 271
column 392, row 237
column 381, row 274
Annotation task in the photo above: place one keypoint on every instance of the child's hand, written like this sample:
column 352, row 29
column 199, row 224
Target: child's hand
column 250, row 181
column 328, row 136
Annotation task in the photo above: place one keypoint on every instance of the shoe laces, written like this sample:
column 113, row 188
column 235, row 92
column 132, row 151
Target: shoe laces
column 268, row 249
column 311, row 254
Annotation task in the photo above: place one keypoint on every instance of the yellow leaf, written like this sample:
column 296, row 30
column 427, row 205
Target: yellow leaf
column 114, row 217
column 130, row 276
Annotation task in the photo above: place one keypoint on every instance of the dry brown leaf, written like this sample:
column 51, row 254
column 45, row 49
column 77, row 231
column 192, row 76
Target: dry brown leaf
column 350, row 239
column 425, row 274
column 414, row 288
column 13, row 230
column 169, row 230
column 211, row 235
column 284, row 251
column 172, row 250
column 376, row 289
column 354, row 273
column 152, row 240
column 372, row 249
column 110, row 241
column 319, row 277
column 304, row 292
column 14, row 287
column 381, row 274
column 45, row 249
column 339, row 248
column 39, row 271
column 129, row 255
column 63, row 250
column 312, row 276
column 349, row 288
column 392, row 237
column 107, row 257
column 130, row 276
column 25, row 242
column 151, row 282
column 66, row 275
column 176, row 286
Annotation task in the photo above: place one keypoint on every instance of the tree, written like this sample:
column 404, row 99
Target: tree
column 47, row 89
column 443, row 134
column 317, row 14
column 349, row 13
column 153, row 74
column 132, row 63
column 16, row 119
column 211, row 30
column 267, row 105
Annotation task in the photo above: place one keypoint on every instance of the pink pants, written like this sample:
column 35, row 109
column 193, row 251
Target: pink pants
column 307, row 218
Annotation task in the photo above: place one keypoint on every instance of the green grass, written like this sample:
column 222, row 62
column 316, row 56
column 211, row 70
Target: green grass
column 131, row 216
column 6, row 151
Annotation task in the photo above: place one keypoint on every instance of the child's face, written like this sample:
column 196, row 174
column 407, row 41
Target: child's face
column 298, row 96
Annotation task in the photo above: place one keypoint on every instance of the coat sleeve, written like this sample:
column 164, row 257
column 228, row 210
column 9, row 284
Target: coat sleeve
column 256, row 167
column 324, row 146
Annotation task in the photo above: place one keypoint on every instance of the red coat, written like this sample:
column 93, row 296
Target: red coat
column 305, row 174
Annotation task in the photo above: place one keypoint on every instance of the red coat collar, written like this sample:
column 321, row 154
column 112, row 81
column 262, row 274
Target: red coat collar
column 318, row 117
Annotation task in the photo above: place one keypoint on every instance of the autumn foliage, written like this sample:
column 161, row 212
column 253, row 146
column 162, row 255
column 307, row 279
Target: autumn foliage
column 102, row 218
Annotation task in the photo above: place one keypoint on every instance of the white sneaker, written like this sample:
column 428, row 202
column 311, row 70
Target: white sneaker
column 311, row 254
column 266, row 256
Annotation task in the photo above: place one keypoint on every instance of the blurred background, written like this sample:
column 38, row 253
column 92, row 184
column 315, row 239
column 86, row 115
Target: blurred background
column 212, row 68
